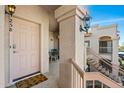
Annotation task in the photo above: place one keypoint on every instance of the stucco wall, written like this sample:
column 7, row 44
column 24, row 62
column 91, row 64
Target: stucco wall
column 52, row 21
column 51, row 40
column 2, row 48
column 39, row 15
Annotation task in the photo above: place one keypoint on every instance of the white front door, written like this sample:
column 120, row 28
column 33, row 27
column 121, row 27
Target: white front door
column 24, row 56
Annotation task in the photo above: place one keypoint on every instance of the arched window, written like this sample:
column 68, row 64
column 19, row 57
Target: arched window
column 105, row 44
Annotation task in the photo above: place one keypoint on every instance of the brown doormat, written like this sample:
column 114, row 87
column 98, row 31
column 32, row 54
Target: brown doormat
column 27, row 83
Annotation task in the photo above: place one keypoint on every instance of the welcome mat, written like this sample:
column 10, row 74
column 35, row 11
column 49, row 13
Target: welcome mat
column 29, row 82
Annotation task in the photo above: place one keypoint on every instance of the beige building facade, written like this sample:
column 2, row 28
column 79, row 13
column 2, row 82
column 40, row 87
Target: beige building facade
column 104, row 41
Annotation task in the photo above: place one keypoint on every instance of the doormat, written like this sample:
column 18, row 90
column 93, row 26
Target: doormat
column 29, row 82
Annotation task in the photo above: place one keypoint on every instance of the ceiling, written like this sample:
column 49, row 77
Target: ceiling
column 50, row 7
column 53, row 24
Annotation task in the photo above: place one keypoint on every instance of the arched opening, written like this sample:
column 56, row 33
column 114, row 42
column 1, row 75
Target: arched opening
column 105, row 44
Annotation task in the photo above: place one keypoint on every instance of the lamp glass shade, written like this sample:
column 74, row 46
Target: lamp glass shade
column 86, row 21
column 11, row 9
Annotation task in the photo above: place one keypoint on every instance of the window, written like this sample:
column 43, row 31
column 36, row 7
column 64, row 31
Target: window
column 89, row 84
column 98, row 84
column 105, row 46
column 95, row 84
column 87, row 43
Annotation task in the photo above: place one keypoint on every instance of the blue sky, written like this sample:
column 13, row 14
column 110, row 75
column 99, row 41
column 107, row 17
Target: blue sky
column 108, row 14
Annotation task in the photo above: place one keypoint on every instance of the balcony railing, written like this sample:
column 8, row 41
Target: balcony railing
column 105, row 49
column 80, row 78
column 77, row 75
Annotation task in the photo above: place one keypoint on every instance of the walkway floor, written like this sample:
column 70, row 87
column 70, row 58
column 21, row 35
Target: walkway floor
column 52, row 76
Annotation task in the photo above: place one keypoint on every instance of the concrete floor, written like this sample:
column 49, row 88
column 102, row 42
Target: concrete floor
column 52, row 76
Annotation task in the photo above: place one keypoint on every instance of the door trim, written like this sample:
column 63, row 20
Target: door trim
column 14, row 16
column 23, row 77
column 37, row 73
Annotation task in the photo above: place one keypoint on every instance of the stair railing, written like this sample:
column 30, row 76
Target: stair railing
column 105, row 61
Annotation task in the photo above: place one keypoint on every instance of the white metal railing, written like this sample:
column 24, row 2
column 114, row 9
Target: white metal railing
column 106, row 61
column 113, row 66
column 97, row 56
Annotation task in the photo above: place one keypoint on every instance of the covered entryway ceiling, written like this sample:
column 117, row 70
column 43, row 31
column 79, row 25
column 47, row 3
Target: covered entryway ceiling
column 53, row 25
column 50, row 7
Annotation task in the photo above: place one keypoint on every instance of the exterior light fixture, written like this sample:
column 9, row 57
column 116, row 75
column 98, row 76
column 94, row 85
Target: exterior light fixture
column 10, row 10
column 86, row 23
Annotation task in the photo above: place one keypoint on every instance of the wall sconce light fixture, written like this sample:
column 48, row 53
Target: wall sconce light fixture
column 86, row 23
column 10, row 9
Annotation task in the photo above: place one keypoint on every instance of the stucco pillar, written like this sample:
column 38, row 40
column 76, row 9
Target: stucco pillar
column 85, row 57
column 2, row 62
column 115, row 56
column 71, row 41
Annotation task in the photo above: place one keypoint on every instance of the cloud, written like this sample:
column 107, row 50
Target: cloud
column 108, row 21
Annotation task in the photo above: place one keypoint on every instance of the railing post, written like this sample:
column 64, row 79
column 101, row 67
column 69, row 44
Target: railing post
column 115, row 56
column 81, row 79
column 78, row 76
column 85, row 57
column 84, row 81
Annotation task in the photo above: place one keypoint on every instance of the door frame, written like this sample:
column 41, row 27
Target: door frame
column 11, row 51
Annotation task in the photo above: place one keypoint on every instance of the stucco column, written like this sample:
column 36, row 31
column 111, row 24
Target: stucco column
column 2, row 62
column 85, row 57
column 71, row 41
column 115, row 56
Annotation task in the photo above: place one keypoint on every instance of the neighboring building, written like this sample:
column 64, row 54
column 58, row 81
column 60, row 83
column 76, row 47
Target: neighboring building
column 104, row 42
column 37, row 29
